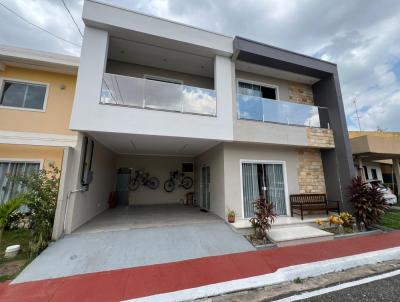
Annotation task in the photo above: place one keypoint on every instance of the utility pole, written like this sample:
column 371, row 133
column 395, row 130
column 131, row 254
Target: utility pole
column 357, row 115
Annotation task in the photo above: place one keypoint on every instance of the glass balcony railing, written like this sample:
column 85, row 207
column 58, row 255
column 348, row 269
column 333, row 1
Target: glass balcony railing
column 157, row 95
column 282, row 112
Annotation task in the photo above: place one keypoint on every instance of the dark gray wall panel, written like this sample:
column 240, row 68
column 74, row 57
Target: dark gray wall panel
column 327, row 94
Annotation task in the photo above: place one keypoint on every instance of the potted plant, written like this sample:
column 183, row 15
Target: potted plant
column 231, row 216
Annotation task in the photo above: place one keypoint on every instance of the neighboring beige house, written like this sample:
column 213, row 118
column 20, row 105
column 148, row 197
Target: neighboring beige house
column 36, row 96
column 376, row 156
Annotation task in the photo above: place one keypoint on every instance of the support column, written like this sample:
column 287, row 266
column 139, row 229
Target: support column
column 338, row 162
column 360, row 168
column 223, row 73
column 396, row 169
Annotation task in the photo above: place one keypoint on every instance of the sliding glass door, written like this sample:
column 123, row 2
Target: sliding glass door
column 263, row 180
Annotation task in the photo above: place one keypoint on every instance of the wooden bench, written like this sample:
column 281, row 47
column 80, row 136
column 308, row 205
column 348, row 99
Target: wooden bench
column 312, row 203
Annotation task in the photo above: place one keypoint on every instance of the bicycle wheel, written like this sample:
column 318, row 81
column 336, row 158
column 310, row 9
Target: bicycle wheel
column 133, row 186
column 187, row 182
column 169, row 185
column 153, row 183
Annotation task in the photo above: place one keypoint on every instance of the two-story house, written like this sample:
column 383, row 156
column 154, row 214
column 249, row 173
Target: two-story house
column 36, row 95
column 241, row 118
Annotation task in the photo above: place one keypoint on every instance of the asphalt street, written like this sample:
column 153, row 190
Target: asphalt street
column 381, row 290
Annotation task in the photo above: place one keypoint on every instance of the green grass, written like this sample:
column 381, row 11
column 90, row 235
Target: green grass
column 391, row 220
column 21, row 237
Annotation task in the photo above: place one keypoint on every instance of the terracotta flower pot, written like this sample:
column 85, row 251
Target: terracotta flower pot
column 231, row 219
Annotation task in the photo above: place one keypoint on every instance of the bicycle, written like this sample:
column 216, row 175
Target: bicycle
column 142, row 178
column 183, row 181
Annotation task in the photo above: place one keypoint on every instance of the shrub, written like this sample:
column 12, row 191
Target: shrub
column 369, row 204
column 41, row 192
column 264, row 217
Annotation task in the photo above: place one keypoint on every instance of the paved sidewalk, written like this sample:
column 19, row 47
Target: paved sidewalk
column 149, row 280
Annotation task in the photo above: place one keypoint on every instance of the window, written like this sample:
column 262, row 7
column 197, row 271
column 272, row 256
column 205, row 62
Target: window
column 374, row 174
column 366, row 172
column 9, row 189
column 23, row 95
column 265, row 92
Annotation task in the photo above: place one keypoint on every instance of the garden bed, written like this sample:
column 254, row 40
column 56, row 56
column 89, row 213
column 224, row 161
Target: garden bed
column 260, row 244
column 348, row 231
column 9, row 268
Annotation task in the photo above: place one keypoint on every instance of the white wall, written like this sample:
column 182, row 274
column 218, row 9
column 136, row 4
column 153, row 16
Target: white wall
column 234, row 152
column 86, row 205
column 160, row 167
column 214, row 158
column 375, row 166
column 67, row 182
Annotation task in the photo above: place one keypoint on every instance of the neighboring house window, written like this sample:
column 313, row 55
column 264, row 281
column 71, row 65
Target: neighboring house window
column 374, row 174
column 365, row 172
column 8, row 188
column 23, row 95
column 257, row 90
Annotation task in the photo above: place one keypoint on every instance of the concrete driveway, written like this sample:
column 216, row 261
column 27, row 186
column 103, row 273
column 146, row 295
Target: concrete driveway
column 109, row 250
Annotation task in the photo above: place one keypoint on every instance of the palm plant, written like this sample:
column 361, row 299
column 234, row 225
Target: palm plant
column 369, row 203
column 6, row 209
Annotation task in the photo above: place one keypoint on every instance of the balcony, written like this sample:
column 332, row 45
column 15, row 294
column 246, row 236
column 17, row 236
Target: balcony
column 281, row 112
column 157, row 95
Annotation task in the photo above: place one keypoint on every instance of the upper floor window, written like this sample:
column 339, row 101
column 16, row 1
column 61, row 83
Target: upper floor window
column 266, row 92
column 23, row 95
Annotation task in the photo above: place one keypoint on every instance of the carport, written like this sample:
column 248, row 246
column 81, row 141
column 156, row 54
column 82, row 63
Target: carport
column 370, row 147
column 100, row 157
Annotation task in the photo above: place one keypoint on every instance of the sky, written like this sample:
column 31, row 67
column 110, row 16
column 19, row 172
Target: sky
column 361, row 36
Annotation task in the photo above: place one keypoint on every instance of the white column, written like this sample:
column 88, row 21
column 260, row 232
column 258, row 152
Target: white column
column 223, row 72
column 361, row 169
column 396, row 169
column 92, row 66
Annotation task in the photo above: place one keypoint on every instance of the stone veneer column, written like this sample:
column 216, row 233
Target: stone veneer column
column 310, row 171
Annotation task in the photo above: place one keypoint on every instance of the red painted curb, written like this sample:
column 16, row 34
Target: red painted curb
column 143, row 281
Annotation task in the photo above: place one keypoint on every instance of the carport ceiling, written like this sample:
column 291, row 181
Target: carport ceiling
column 153, row 145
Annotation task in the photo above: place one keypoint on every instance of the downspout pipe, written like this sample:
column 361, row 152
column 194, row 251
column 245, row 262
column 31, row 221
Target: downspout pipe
column 67, row 206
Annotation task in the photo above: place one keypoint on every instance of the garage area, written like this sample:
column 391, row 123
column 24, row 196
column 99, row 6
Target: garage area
column 131, row 182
